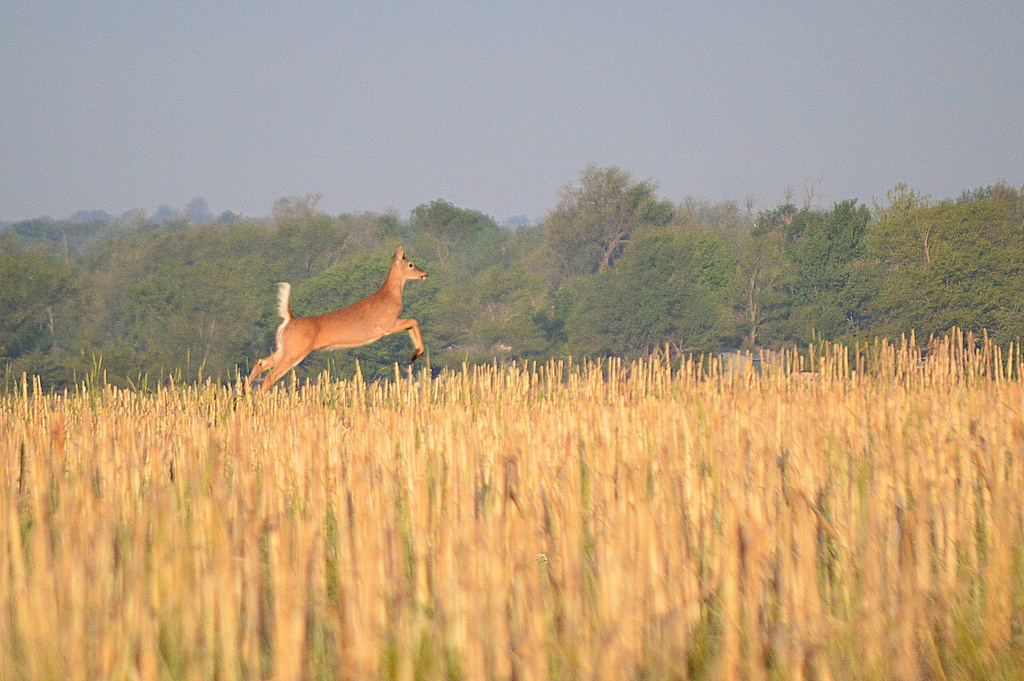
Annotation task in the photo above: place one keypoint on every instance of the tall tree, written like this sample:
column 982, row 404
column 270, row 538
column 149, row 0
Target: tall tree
column 451, row 233
column 444, row 220
column 762, row 287
column 948, row 264
column 667, row 288
column 198, row 210
column 595, row 219
column 310, row 238
column 824, row 248
column 32, row 283
column 289, row 209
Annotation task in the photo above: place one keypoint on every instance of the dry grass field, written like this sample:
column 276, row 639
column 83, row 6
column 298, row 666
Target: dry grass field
column 643, row 521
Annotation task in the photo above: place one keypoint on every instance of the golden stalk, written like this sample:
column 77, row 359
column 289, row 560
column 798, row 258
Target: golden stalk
column 664, row 518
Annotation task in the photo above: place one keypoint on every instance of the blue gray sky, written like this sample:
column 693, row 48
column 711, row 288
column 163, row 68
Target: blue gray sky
column 496, row 105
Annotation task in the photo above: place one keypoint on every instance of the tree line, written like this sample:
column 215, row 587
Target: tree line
column 613, row 269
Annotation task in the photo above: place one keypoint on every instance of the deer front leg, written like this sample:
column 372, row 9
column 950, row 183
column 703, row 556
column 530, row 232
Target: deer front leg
column 413, row 327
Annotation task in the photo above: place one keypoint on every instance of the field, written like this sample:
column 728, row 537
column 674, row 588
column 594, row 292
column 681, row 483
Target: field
column 858, row 519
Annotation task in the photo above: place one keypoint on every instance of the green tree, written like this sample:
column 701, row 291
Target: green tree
column 667, row 288
column 198, row 210
column 444, row 220
column 824, row 248
column 181, row 302
column 309, row 239
column 454, row 236
column 948, row 264
column 494, row 312
column 761, row 287
column 593, row 221
column 72, row 237
column 723, row 217
column 30, row 285
column 34, row 283
column 495, row 301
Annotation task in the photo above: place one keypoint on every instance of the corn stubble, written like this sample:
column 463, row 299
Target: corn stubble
column 647, row 520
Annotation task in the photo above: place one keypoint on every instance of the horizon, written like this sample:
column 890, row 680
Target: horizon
column 799, row 198
column 513, row 221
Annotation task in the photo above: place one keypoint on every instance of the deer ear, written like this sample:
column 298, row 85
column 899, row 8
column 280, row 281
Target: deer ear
column 399, row 253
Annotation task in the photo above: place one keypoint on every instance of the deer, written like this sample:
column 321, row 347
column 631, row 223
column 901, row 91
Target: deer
column 361, row 323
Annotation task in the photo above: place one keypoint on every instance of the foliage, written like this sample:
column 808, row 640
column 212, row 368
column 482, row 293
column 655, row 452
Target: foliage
column 34, row 282
column 451, row 235
column 595, row 220
column 668, row 288
column 949, row 264
column 445, row 221
column 761, row 289
column 823, row 249
column 500, row 306
column 612, row 270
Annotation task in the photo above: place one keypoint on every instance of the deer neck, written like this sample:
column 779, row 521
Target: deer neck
column 393, row 284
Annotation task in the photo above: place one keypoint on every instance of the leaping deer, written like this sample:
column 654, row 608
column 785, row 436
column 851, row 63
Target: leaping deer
column 358, row 324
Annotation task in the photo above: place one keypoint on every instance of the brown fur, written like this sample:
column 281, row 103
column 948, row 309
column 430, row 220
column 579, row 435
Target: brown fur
column 360, row 323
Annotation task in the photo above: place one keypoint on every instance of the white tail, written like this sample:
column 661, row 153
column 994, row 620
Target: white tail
column 360, row 323
column 284, row 294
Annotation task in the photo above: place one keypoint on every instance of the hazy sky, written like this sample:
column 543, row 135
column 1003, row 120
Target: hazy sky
column 495, row 105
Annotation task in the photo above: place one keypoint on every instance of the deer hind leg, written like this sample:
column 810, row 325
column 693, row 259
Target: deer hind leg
column 275, row 358
column 413, row 327
column 284, row 363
